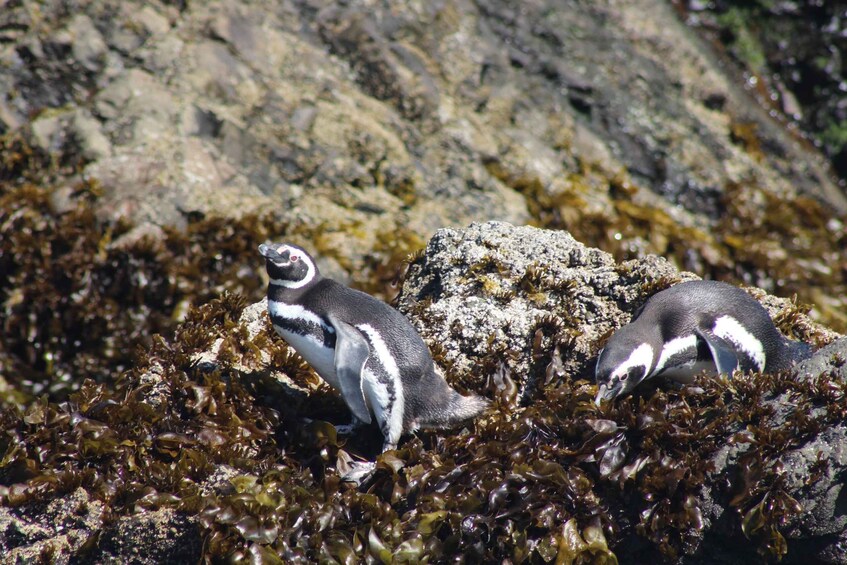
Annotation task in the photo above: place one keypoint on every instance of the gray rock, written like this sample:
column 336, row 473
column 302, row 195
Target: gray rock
column 830, row 359
column 485, row 295
column 152, row 22
column 157, row 536
column 47, row 132
column 53, row 533
column 385, row 117
column 481, row 295
column 87, row 44
column 76, row 525
column 93, row 143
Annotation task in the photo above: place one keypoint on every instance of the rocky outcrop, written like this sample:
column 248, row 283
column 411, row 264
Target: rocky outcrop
column 361, row 129
column 496, row 299
column 484, row 294
column 74, row 528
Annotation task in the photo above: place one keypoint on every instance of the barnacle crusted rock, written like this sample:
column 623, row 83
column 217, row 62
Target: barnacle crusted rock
column 480, row 294
column 496, row 294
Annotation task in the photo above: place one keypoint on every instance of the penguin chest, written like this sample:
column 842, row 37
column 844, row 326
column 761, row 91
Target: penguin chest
column 316, row 354
column 309, row 335
column 683, row 358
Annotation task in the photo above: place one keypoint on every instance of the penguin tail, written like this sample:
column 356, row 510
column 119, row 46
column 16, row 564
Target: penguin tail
column 454, row 411
column 466, row 407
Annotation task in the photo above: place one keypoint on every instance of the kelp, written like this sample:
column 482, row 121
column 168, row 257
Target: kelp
column 77, row 303
column 560, row 479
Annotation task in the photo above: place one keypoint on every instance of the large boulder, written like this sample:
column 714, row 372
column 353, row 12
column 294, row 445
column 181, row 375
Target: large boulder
column 495, row 294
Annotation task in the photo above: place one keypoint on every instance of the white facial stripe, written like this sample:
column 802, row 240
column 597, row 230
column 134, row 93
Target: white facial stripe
column 674, row 347
column 383, row 355
column 310, row 270
column 296, row 312
column 641, row 356
column 731, row 330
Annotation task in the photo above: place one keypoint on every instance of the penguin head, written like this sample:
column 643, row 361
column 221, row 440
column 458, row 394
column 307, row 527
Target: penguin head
column 288, row 265
column 623, row 364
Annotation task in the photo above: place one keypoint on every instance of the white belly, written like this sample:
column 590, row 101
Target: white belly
column 685, row 373
column 320, row 357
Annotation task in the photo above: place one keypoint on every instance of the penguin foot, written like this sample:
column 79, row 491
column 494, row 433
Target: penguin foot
column 357, row 472
column 345, row 429
column 348, row 429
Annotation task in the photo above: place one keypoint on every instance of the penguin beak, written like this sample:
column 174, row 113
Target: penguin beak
column 265, row 250
column 606, row 393
column 601, row 392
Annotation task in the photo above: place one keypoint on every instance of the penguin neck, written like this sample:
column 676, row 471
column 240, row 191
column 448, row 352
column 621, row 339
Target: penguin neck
column 287, row 295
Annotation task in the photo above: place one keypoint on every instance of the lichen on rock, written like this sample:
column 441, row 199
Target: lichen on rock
column 496, row 294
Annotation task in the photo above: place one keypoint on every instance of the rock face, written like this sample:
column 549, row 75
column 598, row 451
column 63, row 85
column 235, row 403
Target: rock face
column 364, row 118
column 810, row 39
column 483, row 293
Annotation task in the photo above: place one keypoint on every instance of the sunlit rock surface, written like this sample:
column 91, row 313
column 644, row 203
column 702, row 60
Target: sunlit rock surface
column 146, row 148
column 481, row 294
column 354, row 122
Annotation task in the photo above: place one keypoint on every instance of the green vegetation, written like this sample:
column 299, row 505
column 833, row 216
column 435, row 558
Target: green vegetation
column 835, row 136
column 740, row 40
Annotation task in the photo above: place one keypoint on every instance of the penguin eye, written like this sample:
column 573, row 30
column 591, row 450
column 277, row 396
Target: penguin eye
column 634, row 372
column 294, row 258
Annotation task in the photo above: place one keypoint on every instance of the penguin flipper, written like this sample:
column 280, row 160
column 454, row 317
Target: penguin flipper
column 723, row 353
column 351, row 354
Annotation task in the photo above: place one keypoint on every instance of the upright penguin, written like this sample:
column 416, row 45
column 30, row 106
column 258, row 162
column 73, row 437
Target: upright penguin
column 691, row 327
column 362, row 347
